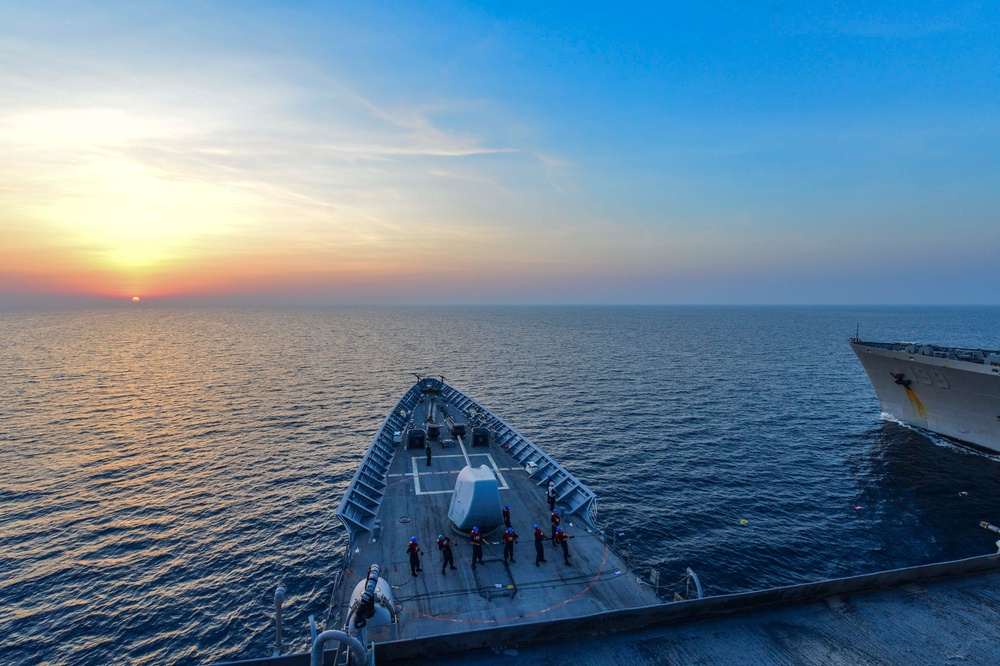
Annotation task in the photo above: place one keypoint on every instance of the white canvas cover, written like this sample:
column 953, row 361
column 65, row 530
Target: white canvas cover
column 476, row 501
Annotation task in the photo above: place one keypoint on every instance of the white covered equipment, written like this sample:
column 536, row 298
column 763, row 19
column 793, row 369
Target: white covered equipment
column 476, row 501
column 384, row 602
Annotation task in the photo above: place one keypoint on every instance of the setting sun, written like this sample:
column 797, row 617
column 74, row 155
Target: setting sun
column 135, row 299
column 209, row 163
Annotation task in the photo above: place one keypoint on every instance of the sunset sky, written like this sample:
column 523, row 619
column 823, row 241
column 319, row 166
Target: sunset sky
column 508, row 152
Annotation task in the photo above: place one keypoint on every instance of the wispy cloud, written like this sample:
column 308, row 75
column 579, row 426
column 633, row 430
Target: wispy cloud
column 154, row 160
column 165, row 146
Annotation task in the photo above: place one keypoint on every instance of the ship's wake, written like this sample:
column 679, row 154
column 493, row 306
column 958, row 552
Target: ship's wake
column 941, row 440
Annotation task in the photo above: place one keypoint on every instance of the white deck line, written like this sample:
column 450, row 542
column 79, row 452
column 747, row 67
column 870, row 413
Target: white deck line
column 415, row 462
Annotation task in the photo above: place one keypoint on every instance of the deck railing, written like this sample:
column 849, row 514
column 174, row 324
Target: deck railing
column 363, row 496
column 575, row 497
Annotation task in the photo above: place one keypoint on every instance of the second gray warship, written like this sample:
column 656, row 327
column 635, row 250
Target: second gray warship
column 951, row 391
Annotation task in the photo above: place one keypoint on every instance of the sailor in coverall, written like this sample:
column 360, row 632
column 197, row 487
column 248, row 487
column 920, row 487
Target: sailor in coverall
column 413, row 549
column 539, row 549
column 506, row 515
column 477, row 547
column 555, row 524
column 509, row 538
column 561, row 539
column 444, row 545
column 551, row 494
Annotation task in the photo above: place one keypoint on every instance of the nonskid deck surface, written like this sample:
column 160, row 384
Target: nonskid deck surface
column 940, row 621
column 416, row 504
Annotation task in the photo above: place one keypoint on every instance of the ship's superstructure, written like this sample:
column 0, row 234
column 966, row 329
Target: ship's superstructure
column 948, row 390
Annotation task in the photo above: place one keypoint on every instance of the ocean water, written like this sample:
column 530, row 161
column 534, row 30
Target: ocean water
column 162, row 470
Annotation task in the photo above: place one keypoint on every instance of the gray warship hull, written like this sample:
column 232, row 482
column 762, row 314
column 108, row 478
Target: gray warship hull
column 950, row 391
column 403, row 491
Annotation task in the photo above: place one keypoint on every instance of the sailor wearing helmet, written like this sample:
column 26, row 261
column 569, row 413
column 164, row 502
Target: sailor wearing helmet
column 413, row 550
column 444, row 545
column 509, row 538
column 477, row 547
column 539, row 549
column 561, row 539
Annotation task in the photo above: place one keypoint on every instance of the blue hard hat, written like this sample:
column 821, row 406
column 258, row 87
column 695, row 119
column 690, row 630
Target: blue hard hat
column 558, row 529
column 413, row 539
column 507, row 506
column 475, row 529
column 556, row 511
column 440, row 536
column 537, row 527
column 510, row 529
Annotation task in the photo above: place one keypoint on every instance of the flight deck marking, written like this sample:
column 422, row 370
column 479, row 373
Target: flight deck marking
column 502, row 469
column 503, row 481
column 416, row 474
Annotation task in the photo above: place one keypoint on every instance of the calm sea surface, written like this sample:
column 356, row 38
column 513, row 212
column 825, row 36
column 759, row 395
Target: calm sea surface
column 161, row 470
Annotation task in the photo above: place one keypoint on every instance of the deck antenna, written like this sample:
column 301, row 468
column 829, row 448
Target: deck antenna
column 857, row 333
column 417, row 376
column 442, row 378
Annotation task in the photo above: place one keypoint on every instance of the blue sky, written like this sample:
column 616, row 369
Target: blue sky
column 340, row 153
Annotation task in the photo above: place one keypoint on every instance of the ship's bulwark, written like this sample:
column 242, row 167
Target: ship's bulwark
column 956, row 398
column 898, row 610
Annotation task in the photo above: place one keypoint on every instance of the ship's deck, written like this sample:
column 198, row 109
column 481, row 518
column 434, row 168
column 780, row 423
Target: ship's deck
column 933, row 613
column 951, row 620
column 988, row 357
column 416, row 502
